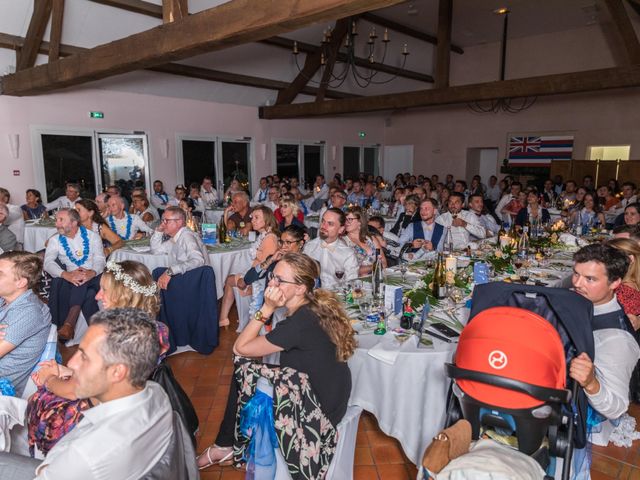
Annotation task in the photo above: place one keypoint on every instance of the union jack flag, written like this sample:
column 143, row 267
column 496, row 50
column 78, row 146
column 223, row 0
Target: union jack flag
column 536, row 151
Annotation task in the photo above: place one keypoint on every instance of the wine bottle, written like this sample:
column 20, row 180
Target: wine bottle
column 377, row 277
column 440, row 279
column 222, row 232
column 523, row 243
column 447, row 247
column 503, row 231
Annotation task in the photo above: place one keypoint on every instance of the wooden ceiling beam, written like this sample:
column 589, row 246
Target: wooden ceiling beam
column 14, row 42
column 136, row 6
column 173, row 10
column 309, row 48
column 35, row 33
column 57, row 14
column 411, row 32
column 625, row 30
column 443, row 47
column 227, row 25
column 557, row 84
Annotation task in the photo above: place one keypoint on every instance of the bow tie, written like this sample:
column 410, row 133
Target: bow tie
column 329, row 247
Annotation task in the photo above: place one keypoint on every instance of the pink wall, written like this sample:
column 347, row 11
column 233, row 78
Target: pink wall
column 161, row 118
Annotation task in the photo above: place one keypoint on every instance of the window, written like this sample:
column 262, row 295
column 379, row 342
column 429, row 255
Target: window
column 302, row 160
column 123, row 161
column 235, row 162
column 620, row 152
column 198, row 160
column 66, row 158
column 357, row 159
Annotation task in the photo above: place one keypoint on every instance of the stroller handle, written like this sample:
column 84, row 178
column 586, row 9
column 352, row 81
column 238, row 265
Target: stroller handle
column 541, row 393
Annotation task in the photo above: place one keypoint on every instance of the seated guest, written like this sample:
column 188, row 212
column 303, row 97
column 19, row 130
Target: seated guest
column 198, row 203
column 131, row 427
column 511, row 209
column 289, row 210
column 234, row 187
column 608, row 202
column 338, row 199
column 532, row 212
column 549, row 195
column 181, row 193
column 397, row 208
column 116, row 191
column 463, row 223
column 598, row 271
column 208, row 193
column 91, row 219
column 273, row 199
column 632, row 214
column 370, row 198
column 628, row 197
column 81, row 253
column 264, row 223
column 125, row 225
column 365, row 245
column 330, row 251
column 628, row 293
column 297, row 195
column 184, row 247
column 316, row 338
column 476, row 205
column 14, row 219
column 424, row 235
column 627, row 231
column 443, row 199
column 8, row 240
column 508, row 197
column 288, row 196
column 160, row 199
column 408, row 216
column 54, row 410
column 101, row 202
column 318, row 194
column 26, row 318
column 262, row 194
column 356, row 194
column 590, row 213
column 33, row 209
column 568, row 195
column 141, row 208
column 72, row 195
column 237, row 216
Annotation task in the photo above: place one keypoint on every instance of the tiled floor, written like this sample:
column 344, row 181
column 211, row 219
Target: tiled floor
column 377, row 457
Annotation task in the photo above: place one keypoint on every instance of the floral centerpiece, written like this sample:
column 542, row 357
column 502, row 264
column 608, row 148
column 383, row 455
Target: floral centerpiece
column 501, row 258
column 422, row 290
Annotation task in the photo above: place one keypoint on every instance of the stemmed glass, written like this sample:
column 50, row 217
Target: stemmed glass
column 339, row 273
column 403, row 271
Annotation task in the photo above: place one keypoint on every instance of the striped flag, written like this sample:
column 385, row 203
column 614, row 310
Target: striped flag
column 538, row 151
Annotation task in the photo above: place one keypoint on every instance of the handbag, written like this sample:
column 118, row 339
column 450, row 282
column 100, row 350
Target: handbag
column 180, row 402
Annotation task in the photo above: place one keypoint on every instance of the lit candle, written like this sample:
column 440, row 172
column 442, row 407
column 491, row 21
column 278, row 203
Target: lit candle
column 450, row 264
column 505, row 240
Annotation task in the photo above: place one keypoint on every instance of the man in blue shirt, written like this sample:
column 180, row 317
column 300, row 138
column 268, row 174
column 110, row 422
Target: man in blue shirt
column 27, row 319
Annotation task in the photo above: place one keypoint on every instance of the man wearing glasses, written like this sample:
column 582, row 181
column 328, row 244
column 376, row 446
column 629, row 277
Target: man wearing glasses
column 185, row 249
column 338, row 199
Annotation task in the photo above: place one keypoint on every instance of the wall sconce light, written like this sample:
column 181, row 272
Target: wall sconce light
column 164, row 147
column 14, row 145
column 334, row 150
column 263, row 151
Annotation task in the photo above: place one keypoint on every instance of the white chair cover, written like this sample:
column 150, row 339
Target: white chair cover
column 242, row 305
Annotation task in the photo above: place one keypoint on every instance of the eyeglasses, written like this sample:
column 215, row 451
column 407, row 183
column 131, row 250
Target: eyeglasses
column 287, row 242
column 351, row 219
column 278, row 280
column 167, row 220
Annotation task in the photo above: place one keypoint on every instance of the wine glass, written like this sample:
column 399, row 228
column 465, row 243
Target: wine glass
column 403, row 271
column 339, row 273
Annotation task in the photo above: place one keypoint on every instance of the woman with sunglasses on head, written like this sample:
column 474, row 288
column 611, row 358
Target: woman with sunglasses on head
column 264, row 223
column 289, row 209
column 364, row 244
column 315, row 338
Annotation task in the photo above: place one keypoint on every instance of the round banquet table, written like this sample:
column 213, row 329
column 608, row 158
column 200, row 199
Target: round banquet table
column 213, row 215
column 36, row 235
column 407, row 398
column 224, row 262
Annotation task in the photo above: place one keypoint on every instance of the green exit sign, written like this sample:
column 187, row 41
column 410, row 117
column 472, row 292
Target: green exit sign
column 362, row 134
column 96, row 114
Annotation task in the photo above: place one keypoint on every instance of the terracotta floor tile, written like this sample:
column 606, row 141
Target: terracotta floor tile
column 595, row 475
column 210, row 475
column 228, row 473
column 376, row 437
column 606, row 465
column 362, row 440
column 634, row 474
column 392, row 472
column 619, row 453
column 363, row 456
column 383, row 454
column 365, row 472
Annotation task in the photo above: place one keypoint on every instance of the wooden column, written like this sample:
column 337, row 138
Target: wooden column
column 173, row 10
column 56, row 29
column 35, row 33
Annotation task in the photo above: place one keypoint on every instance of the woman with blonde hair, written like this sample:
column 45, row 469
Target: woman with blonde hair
column 263, row 222
column 628, row 293
column 54, row 409
column 315, row 338
column 288, row 209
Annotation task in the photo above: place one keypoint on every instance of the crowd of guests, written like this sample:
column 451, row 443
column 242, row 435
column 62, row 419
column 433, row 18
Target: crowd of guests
column 293, row 269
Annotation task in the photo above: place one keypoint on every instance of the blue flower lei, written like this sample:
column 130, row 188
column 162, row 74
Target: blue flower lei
column 85, row 248
column 127, row 234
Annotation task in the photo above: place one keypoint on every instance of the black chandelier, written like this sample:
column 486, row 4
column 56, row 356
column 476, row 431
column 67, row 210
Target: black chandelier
column 345, row 53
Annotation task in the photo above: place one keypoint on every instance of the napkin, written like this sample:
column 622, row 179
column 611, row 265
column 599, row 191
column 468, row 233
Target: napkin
column 141, row 248
column 387, row 350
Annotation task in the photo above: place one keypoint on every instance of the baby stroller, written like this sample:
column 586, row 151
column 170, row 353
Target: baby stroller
column 510, row 371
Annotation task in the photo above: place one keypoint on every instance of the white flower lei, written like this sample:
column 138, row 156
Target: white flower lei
column 129, row 282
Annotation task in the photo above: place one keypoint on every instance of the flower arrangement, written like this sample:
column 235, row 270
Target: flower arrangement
column 422, row 290
column 501, row 258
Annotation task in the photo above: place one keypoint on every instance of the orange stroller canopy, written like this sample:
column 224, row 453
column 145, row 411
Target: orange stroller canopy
column 513, row 343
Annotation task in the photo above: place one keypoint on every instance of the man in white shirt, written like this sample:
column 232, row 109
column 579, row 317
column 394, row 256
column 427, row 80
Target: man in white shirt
column 80, row 251
column 598, row 270
column 476, row 206
column 493, row 193
column 161, row 199
column 273, row 198
column 185, row 249
column 516, row 187
column 426, row 235
column 356, row 194
column 208, row 193
column 294, row 183
column 131, row 427
column 318, row 194
column 8, row 240
column 262, row 194
column 72, row 195
column 330, row 251
column 14, row 220
column 628, row 197
column 125, row 225
column 101, row 202
column 463, row 223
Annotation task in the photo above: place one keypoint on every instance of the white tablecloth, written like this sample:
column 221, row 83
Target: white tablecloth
column 213, row 215
column 409, row 397
column 224, row 263
column 36, row 235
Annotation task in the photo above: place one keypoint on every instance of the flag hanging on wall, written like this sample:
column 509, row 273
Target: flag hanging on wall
column 538, row 151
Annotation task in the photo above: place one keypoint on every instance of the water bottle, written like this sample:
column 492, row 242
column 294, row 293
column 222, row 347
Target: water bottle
column 523, row 243
column 447, row 247
column 377, row 277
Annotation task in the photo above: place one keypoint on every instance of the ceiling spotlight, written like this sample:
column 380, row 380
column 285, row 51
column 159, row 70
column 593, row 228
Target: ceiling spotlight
column 501, row 11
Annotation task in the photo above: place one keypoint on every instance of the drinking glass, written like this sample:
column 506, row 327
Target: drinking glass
column 339, row 273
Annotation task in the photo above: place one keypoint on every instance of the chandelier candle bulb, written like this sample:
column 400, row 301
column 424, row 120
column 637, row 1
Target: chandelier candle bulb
column 385, row 37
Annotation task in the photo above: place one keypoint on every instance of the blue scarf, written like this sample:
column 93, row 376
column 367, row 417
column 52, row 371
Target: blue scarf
column 256, row 422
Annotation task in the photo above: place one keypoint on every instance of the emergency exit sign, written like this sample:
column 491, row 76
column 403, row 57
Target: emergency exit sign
column 96, row 114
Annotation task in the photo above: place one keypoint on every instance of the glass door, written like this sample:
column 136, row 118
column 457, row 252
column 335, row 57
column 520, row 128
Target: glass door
column 313, row 162
column 350, row 162
column 233, row 162
column 198, row 160
column 287, row 160
column 124, row 161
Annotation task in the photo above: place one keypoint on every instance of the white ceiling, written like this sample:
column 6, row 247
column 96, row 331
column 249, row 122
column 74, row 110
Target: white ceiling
column 87, row 24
